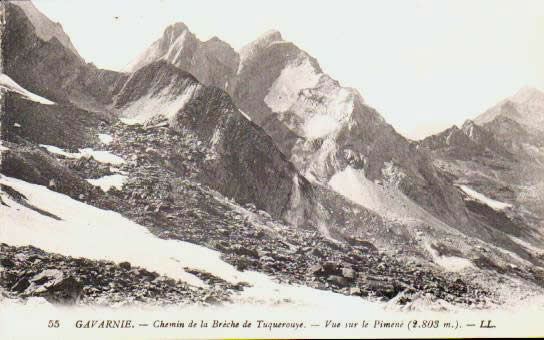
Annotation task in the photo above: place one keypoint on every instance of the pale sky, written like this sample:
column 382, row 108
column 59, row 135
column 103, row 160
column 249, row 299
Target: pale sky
column 424, row 65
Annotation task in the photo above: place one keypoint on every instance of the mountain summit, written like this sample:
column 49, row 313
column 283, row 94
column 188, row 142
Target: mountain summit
column 45, row 28
column 525, row 107
column 212, row 62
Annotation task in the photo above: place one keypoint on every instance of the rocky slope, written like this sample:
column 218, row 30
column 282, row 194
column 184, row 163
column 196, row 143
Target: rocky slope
column 31, row 272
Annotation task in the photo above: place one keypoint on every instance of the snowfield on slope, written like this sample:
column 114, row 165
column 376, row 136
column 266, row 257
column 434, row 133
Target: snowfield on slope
column 484, row 199
column 10, row 85
column 105, row 138
column 86, row 231
column 100, row 156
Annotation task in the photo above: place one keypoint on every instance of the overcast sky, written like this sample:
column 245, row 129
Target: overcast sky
column 425, row 65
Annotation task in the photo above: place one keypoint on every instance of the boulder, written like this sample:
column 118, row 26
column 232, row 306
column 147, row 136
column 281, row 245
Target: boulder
column 330, row 268
column 125, row 265
column 7, row 263
column 349, row 273
column 338, row 281
column 55, row 287
column 20, row 285
column 316, row 270
column 355, row 291
column 241, row 250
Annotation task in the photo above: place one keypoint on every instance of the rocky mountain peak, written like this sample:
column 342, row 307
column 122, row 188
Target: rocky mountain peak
column 45, row 29
column 526, row 107
column 526, row 94
column 255, row 47
column 212, row 62
column 469, row 128
column 177, row 27
column 467, row 124
column 270, row 36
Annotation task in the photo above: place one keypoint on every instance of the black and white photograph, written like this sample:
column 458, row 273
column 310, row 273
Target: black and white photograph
column 271, row 169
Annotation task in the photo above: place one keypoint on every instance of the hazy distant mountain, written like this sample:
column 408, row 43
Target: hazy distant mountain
column 525, row 107
column 471, row 141
column 501, row 155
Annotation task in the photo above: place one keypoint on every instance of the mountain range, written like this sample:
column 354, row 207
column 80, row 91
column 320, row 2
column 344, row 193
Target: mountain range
column 264, row 158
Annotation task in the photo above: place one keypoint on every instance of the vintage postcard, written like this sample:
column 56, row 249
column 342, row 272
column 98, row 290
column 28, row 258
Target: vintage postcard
column 271, row 169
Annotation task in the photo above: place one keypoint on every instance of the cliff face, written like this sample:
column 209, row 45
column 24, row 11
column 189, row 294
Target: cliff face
column 328, row 130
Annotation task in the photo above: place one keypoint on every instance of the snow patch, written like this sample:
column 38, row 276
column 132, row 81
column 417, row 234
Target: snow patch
column 105, row 138
column 85, row 231
column 128, row 121
column 118, row 171
column 527, row 245
column 58, row 151
column 449, row 137
column 353, row 184
column 245, row 115
column 453, row 263
column 109, row 181
column 100, row 156
column 496, row 205
column 9, row 84
column 17, row 125
column 177, row 46
column 448, row 263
